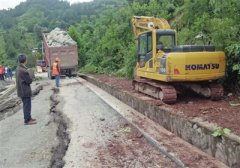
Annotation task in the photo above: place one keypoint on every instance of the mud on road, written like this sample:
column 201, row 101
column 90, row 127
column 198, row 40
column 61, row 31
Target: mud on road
column 99, row 136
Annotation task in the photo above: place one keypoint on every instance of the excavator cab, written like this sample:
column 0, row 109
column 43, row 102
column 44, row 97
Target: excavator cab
column 150, row 43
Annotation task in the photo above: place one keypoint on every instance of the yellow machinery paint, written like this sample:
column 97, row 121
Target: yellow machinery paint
column 197, row 66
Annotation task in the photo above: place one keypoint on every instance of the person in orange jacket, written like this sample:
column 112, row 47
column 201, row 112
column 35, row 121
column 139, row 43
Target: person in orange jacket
column 1, row 72
column 56, row 71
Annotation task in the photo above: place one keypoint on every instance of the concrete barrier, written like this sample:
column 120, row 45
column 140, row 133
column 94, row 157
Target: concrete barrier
column 195, row 131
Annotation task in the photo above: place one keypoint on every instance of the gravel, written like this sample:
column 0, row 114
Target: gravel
column 59, row 38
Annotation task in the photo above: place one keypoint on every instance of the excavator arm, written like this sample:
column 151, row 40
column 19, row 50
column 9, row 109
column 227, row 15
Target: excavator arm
column 143, row 23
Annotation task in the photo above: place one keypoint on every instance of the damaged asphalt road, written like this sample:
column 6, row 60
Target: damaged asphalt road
column 28, row 145
column 74, row 128
column 100, row 137
column 10, row 104
column 79, row 125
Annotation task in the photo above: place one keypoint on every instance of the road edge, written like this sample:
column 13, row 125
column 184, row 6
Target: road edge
column 195, row 131
column 156, row 140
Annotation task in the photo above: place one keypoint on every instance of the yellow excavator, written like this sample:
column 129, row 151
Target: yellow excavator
column 164, row 69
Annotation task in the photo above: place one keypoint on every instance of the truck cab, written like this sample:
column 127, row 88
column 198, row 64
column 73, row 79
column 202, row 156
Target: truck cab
column 41, row 66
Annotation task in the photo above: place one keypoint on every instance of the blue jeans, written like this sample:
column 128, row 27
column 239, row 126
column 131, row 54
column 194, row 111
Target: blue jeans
column 27, row 108
column 57, row 79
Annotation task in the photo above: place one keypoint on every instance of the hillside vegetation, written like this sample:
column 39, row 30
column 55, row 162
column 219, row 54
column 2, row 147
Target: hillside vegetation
column 103, row 31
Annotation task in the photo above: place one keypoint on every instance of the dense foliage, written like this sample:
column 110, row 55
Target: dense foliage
column 219, row 21
column 102, row 29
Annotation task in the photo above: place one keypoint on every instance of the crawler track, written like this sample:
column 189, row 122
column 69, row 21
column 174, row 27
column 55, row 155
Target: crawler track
column 166, row 93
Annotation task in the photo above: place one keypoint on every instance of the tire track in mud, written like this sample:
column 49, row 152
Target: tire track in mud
column 63, row 137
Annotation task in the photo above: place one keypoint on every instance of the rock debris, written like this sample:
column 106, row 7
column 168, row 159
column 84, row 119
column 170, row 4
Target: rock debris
column 59, row 38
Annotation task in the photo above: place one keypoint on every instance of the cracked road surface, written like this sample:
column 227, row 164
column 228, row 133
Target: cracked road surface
column 99, row 136
column 80, row 125
column 23, row 146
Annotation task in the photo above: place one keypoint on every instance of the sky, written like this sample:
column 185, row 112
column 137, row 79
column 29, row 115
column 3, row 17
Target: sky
column 5, row 4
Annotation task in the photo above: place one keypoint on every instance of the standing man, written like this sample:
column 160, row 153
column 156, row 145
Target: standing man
column 23, row 81
column 56, row 71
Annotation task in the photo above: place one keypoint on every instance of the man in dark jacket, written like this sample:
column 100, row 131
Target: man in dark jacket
column 23, row 81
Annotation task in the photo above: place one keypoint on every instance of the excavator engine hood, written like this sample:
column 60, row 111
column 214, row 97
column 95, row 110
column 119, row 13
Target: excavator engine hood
column 193, row 66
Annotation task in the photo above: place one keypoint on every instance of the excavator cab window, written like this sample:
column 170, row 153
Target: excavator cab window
column 166, row 40
column 144, row 48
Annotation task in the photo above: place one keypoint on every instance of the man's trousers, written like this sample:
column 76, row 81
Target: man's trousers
column 27, row 108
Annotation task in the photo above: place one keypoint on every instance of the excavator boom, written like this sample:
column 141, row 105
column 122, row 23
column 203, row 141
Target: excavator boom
column 144, row 23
